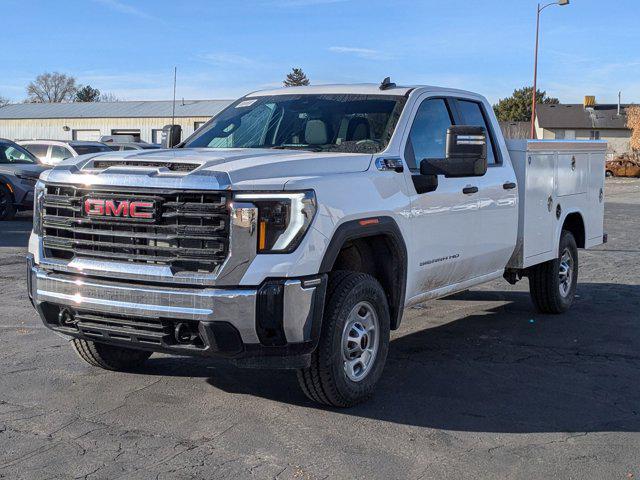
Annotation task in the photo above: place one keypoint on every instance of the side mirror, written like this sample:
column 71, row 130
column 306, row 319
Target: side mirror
column 466, row 154
column 171, row 135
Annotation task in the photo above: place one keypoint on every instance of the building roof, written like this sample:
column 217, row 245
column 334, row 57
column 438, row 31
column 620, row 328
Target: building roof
column 139, row 109
column 575, row 116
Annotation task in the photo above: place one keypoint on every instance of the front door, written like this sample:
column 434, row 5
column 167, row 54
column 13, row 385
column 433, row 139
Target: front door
column 444, row 221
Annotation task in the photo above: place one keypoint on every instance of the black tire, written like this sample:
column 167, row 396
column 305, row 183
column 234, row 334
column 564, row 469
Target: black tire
column 7, row 208
column 109, row 357
column 326, row 380
column 545, row 285
column 609, row 174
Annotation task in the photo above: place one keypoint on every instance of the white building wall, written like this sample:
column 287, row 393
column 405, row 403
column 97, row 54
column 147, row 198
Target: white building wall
column 55, row 128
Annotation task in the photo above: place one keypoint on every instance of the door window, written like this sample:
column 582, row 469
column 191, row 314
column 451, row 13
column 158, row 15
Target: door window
column 472, row 114
column 428, row 135
column 38, row 150
column 59, row 153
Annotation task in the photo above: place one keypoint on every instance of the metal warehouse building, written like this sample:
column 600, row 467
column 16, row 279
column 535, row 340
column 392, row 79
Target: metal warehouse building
column 88, row 121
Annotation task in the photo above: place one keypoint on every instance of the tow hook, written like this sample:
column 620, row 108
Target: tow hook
column 66, row 318
column 183, row 334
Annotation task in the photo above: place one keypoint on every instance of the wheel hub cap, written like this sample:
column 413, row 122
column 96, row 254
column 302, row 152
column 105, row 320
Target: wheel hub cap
column 360, row 341
column 565, row 272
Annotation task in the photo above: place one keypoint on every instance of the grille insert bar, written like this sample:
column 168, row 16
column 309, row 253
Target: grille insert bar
column 191, row 232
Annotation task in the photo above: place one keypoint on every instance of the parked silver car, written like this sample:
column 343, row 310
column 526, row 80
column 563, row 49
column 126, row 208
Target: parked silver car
column 52, row 152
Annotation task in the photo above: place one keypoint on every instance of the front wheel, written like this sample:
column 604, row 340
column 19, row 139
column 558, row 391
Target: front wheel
column 353, row 345
column 7, row 209
column 609, row 174
column 553, row 284
column 109, row 357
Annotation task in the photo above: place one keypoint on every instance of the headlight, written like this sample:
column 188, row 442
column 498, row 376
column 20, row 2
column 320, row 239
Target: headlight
column 38, row 200
column 283, row 218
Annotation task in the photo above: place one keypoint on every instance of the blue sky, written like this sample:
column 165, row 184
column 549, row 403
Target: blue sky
column 224, row 49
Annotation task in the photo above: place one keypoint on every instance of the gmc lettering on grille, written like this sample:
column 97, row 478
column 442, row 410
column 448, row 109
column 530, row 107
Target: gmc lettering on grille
column 96, row 207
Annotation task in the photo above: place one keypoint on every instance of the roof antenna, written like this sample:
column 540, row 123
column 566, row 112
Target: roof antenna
column 387, row 83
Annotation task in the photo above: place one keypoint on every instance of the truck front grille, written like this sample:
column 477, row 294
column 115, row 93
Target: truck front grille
column 189, row 230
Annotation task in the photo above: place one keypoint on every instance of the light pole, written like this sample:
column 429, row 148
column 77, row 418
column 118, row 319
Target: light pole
column 561, row 3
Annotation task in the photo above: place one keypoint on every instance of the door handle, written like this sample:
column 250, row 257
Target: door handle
column 469, row 190
column 509, row 186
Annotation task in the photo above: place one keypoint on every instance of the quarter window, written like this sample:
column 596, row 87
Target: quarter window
column 38, row 150
column 472, row 115
column 428, row 135
column 59, row 153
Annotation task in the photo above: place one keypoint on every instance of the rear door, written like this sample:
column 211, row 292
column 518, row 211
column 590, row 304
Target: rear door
column 496, row 220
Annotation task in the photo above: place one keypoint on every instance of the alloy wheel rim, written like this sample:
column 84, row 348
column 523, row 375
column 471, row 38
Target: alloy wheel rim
column 360, row 341
column 565, row 272
column 4, row 203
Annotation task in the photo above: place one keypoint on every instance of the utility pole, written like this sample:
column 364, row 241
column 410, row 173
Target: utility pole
column 173, row 110
column 535, row 63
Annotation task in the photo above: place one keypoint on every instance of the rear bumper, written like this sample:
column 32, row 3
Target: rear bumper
column 276, row 324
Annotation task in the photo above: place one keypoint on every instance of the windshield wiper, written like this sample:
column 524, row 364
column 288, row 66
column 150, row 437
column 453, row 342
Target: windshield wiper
column 296, row 147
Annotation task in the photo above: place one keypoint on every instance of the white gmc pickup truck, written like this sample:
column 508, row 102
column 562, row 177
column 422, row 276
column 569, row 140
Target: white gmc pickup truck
column 293, row 229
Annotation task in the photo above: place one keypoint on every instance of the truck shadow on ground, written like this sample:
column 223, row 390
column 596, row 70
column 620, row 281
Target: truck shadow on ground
column 503, row 369
column 15, row 233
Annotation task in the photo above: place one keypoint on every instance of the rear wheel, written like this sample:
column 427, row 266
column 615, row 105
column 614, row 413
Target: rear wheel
column 7, row 209
column 609, row 173
column 353, row 345
column 109, row 357
column 553, row 284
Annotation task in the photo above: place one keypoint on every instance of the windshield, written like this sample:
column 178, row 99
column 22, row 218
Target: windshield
column 336, row 123
column 12, row 153
column 84, row 149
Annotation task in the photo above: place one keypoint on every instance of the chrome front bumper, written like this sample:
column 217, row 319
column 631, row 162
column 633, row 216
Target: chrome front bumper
column 296, row 304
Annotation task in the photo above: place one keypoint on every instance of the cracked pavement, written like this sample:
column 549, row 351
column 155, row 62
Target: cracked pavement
column 477, row 386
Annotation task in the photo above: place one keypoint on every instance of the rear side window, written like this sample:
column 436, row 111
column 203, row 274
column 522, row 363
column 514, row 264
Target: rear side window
column 428, row 135
column 59, row 153
column 472, row 115
column 39, row 151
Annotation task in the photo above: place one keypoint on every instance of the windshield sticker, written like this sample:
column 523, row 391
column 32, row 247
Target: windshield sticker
column 246, row 103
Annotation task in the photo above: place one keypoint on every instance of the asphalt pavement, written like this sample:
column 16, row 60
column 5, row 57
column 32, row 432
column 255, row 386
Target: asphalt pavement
column 476, row 386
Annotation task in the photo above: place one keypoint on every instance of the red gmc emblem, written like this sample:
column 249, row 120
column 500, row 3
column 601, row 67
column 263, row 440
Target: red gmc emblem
column 113, row 208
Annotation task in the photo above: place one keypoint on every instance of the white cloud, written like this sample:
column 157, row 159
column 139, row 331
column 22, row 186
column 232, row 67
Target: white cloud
column 227, row 59
column 125, row 8
column 361, row 52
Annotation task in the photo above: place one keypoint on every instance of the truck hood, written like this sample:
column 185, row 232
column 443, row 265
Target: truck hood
column 23, row 169
column 199, row 167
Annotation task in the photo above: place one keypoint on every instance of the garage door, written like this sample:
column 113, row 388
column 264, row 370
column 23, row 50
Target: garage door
column 88, row 135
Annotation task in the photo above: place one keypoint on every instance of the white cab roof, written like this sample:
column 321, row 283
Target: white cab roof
column 354, row 89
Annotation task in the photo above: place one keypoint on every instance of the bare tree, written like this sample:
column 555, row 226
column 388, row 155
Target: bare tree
column 52, row 88
column 3, row 101
column 633, row 122
column 108, row 97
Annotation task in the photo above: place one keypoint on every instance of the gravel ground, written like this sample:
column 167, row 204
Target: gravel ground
column 476, row 386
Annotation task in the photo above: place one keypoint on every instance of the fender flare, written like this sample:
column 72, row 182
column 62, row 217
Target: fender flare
column 560, row 224
column 5, row 182
column 370, row 227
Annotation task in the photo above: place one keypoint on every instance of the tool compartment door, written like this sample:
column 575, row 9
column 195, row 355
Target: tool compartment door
column 573, row 172
column 539, row 219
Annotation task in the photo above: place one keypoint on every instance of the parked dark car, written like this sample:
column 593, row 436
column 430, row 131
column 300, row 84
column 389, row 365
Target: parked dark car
column 19, row 172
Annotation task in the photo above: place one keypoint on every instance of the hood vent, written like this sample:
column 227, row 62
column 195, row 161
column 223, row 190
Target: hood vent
column 173, row 166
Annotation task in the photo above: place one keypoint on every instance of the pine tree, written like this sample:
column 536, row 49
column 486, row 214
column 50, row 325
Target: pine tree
column 296, row 78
